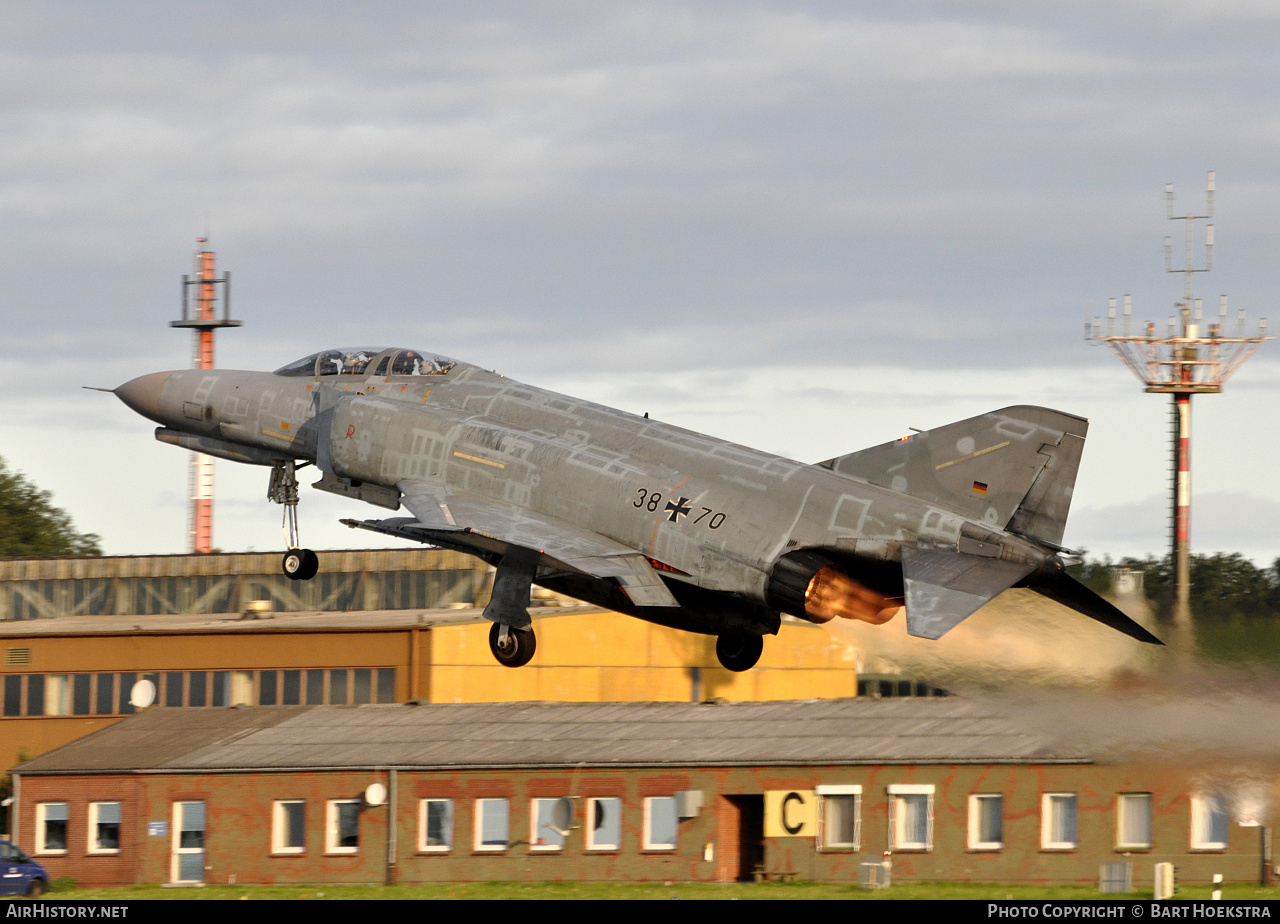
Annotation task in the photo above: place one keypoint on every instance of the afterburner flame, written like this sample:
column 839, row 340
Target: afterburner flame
column 833, row 593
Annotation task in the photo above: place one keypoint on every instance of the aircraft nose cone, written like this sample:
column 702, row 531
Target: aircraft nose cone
column 143, row 394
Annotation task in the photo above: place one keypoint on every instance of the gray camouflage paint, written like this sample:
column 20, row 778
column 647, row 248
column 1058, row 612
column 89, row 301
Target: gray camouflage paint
column 488, row 464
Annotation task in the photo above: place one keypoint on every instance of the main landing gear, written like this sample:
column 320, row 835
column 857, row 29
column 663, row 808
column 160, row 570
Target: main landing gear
column 739, row 651
column 298, row 564
column 512, row 647
column 511, row 637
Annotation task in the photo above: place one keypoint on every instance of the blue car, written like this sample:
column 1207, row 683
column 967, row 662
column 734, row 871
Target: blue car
column 19, row 874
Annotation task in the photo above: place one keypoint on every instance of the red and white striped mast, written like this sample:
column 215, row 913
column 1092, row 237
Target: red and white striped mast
column 202, row 317
column 1188, row 360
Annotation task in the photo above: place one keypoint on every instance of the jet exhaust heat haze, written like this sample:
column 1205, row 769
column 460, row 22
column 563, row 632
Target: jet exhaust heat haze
column 652, row 520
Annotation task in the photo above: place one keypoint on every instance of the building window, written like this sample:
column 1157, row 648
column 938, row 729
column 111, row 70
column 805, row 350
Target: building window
column 491, row 824
column 1058, row 821
column 361, row 686
column 173, row 689
column 986, row 821
column 267, row 688
column 35, row 694
column 81, row 694
column 1208, row 823
column 291, row 692
column 315, row 687
column 911, row 816
column 546, row 834
column 221, row 688
column 51, row 827
column 241, row 688
column 660, row 823
column 1133, row 820
column 104, row 827
column 126, row 690
column 197, row 688
column 338, row 687
column 288, row 830
column 840, row 814
column 387, row 685
column 57, row 695
column 104, row 702
column 604, row 817
column 435, row 826
column 342, row 826
column 13, row 694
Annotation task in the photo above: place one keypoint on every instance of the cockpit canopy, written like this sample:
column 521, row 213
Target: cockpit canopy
column 368, row 361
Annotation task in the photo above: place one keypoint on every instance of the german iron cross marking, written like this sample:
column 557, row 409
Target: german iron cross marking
column 677, row 509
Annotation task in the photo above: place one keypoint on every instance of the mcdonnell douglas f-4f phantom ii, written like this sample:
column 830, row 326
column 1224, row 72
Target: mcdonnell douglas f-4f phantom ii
column 658, row 522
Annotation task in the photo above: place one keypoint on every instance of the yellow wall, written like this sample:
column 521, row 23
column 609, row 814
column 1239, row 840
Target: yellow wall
column 70, row 654
column 608, row 657
column 581, row 657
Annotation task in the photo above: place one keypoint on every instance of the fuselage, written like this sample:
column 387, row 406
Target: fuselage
column 706, row 511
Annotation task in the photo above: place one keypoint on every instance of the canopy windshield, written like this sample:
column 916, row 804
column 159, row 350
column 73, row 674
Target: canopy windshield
column 368, row 361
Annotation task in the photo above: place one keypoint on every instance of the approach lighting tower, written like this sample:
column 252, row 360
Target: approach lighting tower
column 1189, row 359
column 200, row 315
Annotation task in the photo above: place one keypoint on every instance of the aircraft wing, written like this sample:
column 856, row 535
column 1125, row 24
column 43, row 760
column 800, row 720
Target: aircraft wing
column 457, row 518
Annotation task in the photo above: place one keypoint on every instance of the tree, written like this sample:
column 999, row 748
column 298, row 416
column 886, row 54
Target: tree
column 32, row 527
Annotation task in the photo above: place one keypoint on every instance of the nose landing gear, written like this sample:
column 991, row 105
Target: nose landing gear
column 511, row 637
column 298, row 564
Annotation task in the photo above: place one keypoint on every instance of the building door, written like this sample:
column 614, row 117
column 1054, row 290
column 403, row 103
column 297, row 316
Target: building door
column 188, row 842
column 749, row 835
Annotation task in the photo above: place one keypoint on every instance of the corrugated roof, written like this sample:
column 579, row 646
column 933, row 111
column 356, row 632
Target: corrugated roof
column 505, row 735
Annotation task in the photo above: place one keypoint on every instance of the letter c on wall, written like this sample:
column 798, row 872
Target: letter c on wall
column 786, row 803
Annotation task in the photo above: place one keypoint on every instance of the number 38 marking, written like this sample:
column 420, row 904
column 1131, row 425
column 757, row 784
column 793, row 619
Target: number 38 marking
column 654, row 499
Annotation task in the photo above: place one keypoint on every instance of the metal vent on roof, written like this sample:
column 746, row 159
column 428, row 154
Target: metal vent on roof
column 17, row 657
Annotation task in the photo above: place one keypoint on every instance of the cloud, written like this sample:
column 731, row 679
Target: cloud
column 721, row 212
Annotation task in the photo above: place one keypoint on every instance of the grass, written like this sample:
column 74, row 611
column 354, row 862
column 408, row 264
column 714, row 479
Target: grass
column 688, row 891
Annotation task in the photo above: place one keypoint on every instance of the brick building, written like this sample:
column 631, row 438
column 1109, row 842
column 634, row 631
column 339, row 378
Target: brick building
column 951, row 789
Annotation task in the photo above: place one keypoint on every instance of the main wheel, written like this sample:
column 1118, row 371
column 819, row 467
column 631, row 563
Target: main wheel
column 519, row 648
column 300, row 564
column 739, row 651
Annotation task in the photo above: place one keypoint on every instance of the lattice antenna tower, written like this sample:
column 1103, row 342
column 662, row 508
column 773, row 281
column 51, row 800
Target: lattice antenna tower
column 1189, row 358
column 201, row 315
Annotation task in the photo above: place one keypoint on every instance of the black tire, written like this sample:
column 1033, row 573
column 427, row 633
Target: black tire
column 37, row 888
column 739, row 651
column 293, row 563
column 310, row 565
column 521, row 644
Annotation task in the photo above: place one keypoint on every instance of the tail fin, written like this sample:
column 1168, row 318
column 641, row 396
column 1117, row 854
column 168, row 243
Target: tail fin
column 1014, row 468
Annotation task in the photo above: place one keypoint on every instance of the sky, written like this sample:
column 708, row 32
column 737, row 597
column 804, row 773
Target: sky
column 804, row 227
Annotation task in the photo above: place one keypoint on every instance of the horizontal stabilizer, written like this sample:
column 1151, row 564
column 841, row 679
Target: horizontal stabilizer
column 943, row 588
column 1066, row 590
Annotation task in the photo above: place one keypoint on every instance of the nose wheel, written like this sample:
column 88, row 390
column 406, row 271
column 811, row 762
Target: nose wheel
column 298, row 564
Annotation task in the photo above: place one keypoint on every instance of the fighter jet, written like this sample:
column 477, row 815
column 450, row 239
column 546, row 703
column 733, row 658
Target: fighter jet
column 639, row 516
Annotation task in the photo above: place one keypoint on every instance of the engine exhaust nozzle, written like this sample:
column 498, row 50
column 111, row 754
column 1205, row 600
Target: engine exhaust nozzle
column 833, row 593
